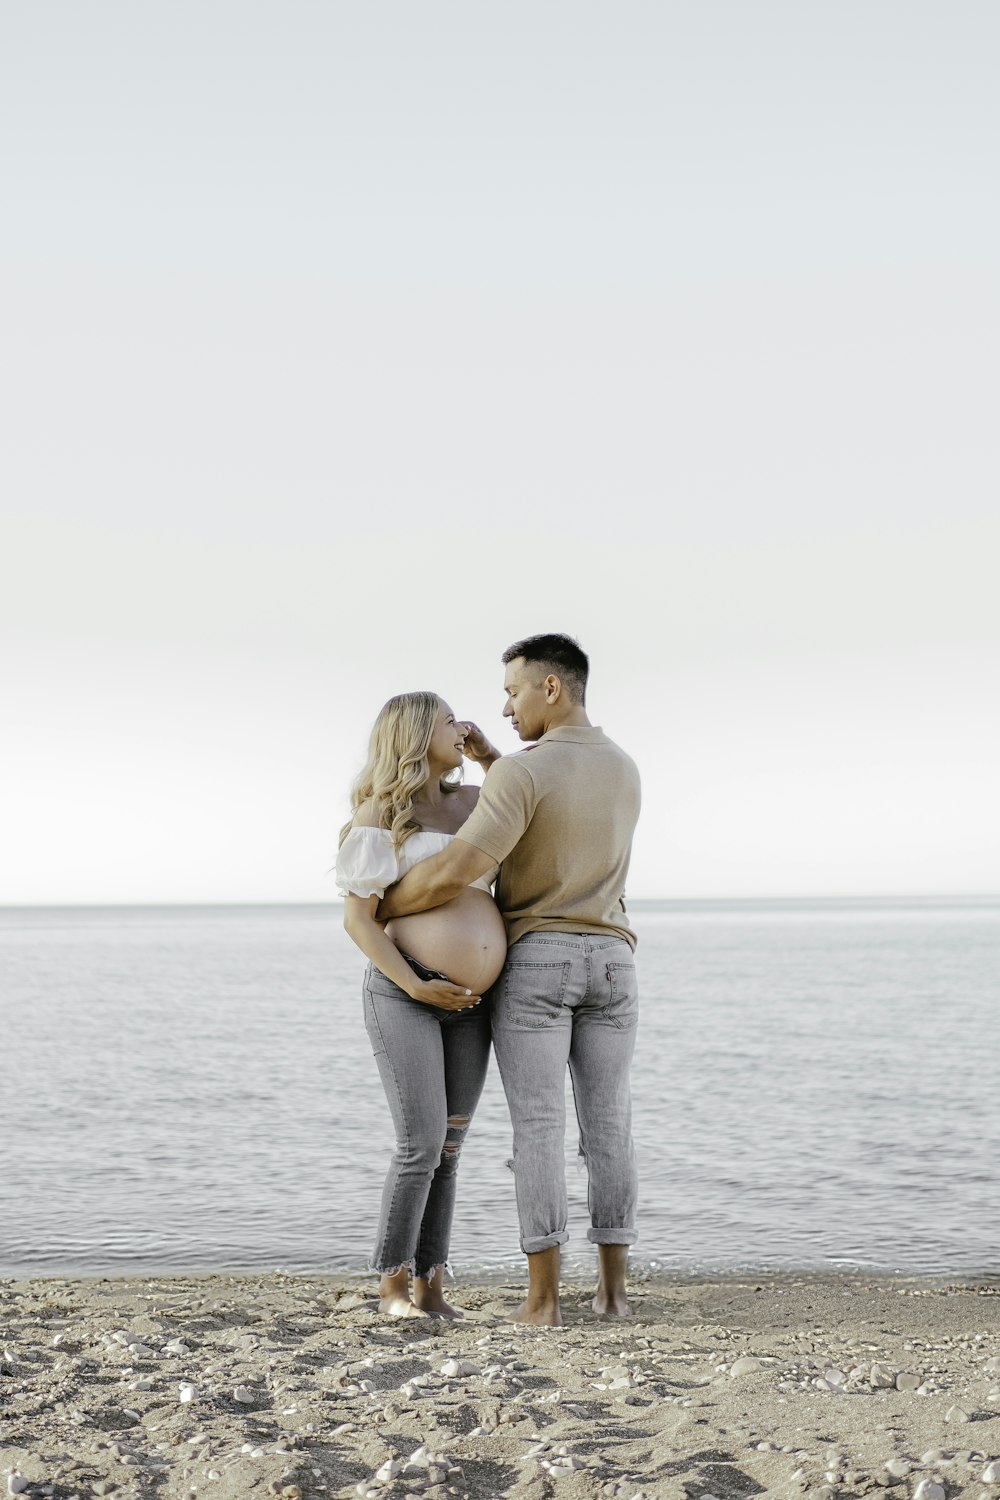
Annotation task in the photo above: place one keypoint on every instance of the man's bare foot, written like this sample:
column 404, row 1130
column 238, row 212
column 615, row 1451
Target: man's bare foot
column 541, row 1306
column 543, row 1315
column 610, row 1300
column 399, row 1307
column 611, row 1304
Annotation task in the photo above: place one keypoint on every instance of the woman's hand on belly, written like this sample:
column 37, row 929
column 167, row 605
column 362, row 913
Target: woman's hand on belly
column 444, row 996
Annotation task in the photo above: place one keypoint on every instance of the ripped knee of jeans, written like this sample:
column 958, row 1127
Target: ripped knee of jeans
column 457, row 1128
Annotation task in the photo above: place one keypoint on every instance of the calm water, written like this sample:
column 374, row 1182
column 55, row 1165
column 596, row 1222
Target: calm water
column 816, row 1084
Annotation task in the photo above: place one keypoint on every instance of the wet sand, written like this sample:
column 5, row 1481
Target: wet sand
column 260, row 1385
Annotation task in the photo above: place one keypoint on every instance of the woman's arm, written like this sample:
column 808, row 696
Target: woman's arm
column 370, row 936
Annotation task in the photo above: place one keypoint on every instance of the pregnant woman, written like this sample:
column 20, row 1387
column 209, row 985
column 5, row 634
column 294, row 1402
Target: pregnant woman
column 423, row 988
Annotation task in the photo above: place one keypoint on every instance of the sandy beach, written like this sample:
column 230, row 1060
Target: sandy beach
column 292, row 1385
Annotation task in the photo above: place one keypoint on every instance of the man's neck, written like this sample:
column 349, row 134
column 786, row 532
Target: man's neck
column 575, row 718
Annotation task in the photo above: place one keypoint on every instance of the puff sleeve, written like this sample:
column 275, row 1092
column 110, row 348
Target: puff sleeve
column 367, row 862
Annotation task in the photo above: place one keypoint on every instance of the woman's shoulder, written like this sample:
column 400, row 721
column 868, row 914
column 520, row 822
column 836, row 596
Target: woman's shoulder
column 465, row 799
column 366, row 816
column 366, row 837
column 366, row 861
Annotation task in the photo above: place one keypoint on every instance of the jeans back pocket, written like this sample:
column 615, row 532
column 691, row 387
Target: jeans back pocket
column 531, row 994
column 622, row 1009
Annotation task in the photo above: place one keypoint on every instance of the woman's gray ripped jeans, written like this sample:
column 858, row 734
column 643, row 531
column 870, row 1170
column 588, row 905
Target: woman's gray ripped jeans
column 433, row 1066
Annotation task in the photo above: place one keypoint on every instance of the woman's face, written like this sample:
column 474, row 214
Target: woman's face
column 447, row 741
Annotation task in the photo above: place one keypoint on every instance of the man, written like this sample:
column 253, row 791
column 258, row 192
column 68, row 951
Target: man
column 559, row 818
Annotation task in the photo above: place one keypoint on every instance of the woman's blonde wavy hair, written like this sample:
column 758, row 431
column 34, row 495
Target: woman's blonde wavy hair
column 397, row 765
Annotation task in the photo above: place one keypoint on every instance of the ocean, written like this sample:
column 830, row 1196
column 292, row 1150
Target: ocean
column 816, row 1085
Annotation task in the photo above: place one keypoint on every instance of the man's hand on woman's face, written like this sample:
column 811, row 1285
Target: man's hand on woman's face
column 477, row 746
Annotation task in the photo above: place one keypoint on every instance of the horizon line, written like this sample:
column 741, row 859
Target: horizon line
column 896, row 896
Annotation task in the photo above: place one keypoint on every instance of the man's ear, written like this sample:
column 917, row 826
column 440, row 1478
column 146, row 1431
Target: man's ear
column 553, row 688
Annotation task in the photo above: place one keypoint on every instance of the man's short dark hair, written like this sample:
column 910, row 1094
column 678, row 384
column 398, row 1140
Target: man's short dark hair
column 558, row 654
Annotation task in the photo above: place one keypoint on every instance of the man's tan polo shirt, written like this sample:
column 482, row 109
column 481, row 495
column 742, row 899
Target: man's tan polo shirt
column 559, row 818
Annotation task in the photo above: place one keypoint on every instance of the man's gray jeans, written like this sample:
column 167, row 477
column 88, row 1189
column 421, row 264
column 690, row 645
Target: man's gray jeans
column 566, row 997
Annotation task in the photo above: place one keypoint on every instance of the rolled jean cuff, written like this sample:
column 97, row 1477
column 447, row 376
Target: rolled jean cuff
column 538, row 1242
column 612, row 1236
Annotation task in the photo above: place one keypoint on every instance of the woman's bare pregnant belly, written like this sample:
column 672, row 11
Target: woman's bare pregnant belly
column 465, row 939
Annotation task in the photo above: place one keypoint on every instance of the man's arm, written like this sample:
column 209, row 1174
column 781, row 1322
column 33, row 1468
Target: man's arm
column 434, row 881
column 478, row 748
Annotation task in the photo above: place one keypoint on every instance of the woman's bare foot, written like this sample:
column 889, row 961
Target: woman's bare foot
column 437, row 1307
column 399, row 1307
column 428, row 1295
column 394, row 1295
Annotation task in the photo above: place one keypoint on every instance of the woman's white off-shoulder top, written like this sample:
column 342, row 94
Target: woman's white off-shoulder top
column 368, row 861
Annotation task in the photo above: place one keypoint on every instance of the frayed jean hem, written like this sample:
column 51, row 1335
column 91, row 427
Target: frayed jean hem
column 410, row 1266
column 404, row 1265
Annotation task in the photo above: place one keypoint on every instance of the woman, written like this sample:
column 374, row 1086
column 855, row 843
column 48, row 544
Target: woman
column 428, row 1024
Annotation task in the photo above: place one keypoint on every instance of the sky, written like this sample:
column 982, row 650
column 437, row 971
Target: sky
column 344, row 344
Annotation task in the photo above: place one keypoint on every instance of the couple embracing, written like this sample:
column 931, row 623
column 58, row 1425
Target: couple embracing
column 496, row 916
